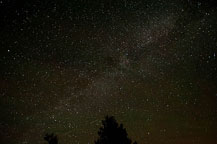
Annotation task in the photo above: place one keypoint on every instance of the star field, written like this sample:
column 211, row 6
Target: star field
column 66, row 64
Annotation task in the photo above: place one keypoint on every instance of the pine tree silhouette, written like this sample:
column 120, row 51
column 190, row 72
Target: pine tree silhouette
column 51, row 138
column 112, row 133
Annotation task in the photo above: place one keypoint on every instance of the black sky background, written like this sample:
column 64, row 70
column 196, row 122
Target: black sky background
column 67, row 64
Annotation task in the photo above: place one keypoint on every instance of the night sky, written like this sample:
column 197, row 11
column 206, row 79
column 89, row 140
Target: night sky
column 65, row 64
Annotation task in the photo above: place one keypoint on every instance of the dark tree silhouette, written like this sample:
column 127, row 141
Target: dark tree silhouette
column 51, row 138
column 112, row 133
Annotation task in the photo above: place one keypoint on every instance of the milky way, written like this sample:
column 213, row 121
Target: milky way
column 66, row 64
